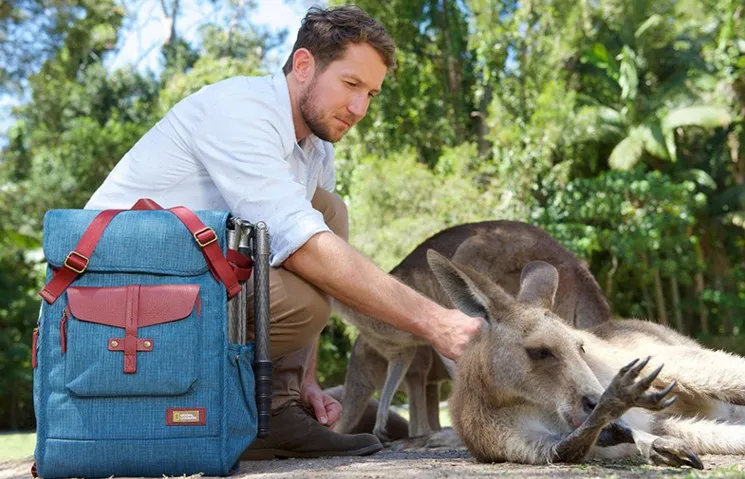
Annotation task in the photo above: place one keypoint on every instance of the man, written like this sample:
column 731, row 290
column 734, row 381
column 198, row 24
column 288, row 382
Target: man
column 261, row 148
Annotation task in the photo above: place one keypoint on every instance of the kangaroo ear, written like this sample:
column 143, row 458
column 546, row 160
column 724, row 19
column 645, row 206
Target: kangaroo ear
column 538, row 284
column 469, row 291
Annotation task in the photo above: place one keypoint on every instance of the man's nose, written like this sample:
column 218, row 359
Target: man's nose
column 358, row 106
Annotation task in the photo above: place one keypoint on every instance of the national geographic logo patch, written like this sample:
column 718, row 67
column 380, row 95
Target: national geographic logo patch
column 186, row 416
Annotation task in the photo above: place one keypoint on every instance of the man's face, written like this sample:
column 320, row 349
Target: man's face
column 337, row 98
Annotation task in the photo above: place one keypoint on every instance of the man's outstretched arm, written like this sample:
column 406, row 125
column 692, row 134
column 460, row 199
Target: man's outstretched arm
column 341, row 271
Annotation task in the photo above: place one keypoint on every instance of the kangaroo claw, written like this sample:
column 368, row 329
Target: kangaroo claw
column 668, row 451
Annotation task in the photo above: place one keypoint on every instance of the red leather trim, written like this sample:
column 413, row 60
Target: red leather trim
column 219, row 267
column 146, row 204
column 34, row 342
column 130, row 328
column 157, row 304
column 63, row 329
column 133, row 307
column 199, row 415
column 242, row 265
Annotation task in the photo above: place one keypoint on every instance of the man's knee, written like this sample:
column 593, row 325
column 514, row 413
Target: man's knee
column 298, row 310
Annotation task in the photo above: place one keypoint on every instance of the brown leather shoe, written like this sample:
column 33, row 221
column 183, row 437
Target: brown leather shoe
column 294, row 432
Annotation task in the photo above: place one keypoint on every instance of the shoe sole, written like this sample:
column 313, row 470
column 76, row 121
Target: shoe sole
column 268, row 454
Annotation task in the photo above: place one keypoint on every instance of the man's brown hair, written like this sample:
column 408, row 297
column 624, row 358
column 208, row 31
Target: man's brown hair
column 326, row 33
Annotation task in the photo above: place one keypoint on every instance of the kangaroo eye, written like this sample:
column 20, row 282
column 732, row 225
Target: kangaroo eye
column 538, row 354
column 582, row 348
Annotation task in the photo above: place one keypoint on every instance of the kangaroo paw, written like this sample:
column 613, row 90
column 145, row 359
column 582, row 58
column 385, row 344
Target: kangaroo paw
column 625, row 392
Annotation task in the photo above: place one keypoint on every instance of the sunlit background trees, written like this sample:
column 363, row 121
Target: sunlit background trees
column 615, row 125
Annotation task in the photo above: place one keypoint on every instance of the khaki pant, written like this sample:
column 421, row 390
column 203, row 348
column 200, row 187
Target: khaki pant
column 298, row 311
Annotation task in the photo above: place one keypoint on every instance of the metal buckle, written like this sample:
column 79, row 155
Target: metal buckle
column 208, row 242
column 70, row 267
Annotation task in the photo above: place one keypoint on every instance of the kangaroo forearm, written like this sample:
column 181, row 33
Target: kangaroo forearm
column 575, row 446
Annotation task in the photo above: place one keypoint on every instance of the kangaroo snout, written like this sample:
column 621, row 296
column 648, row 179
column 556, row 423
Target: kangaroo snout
column 580, row 409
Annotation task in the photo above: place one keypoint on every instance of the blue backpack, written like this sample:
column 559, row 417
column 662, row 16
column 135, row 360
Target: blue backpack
column 134, row 372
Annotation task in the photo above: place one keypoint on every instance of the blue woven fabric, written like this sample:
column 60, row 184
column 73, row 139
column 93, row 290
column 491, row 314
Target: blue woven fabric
column 94, row 420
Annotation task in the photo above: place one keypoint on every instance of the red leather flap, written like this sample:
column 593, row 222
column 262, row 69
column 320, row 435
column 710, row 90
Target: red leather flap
column 156, row 304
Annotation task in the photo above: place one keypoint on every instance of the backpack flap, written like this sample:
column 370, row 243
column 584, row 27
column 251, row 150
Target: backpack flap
column 131, row 340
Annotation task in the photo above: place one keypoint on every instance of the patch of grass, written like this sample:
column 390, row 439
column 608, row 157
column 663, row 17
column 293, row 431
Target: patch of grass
column 735, row 471
column 17, row 445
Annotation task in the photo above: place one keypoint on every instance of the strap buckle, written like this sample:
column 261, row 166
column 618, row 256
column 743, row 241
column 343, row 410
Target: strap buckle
column 82, row 262
column 208, row 241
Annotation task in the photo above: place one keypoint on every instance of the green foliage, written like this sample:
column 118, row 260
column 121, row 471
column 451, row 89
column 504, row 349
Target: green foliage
column 19, row 308
column 337, row 340
column 631, row 218
column 397, row 202
column 618, row 126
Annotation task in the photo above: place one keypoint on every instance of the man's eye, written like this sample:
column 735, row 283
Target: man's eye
column 538, row 354
column 351, row 84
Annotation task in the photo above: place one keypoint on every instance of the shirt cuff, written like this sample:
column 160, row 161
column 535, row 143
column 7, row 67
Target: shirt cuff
column 288, row 234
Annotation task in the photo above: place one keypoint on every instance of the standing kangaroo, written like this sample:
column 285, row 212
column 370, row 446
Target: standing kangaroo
column 383, row 357
column 531, row 389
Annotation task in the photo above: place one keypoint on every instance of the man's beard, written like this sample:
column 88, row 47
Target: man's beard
column 313, row 117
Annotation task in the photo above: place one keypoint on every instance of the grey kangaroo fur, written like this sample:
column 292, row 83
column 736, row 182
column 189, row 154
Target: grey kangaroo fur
column 529, row 388
column 385, row 358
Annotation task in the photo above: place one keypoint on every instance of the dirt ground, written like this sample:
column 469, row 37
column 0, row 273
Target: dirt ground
column 455, row 463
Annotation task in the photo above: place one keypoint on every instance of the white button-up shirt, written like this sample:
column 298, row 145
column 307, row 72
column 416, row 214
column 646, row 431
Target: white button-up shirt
column 230, row 146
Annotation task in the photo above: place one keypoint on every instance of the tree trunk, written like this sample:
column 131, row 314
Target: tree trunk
column 452, row 66
column 479, row 120
column 170, row 19
column 645, row 290
column 659, row 297
column 677, row 312
column 734, row 152
column 703, row 312
column 610, row 276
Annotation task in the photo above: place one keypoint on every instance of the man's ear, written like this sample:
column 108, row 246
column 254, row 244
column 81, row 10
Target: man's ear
column 303, row 65
column 538, row 284
column 470, row 291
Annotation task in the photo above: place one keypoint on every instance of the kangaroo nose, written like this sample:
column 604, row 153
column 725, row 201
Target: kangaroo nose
column 588, row 404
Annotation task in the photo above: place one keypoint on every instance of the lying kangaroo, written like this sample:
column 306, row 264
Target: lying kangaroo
column 531, row 389
column 383, row 356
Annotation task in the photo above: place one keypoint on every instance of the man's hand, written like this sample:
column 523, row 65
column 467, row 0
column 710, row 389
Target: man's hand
column 326, row 408
column 453, row 331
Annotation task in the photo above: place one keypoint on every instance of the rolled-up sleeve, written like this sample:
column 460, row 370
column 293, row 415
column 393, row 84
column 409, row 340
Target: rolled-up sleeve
column 244, row 155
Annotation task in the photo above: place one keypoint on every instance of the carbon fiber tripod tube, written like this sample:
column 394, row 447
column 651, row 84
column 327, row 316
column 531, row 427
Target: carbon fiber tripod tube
column 233, row 234
column 262, row 363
